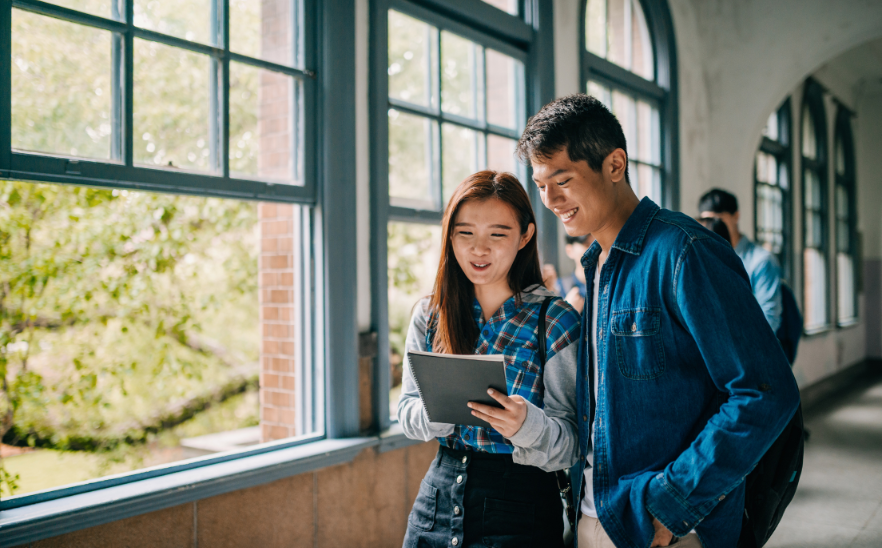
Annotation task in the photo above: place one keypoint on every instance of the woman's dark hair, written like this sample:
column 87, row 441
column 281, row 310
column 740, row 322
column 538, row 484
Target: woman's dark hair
column 579, row 124
column 454, row 294
column 716, row 226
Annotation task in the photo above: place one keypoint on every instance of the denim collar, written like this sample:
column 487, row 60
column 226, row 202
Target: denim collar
column 630, row 238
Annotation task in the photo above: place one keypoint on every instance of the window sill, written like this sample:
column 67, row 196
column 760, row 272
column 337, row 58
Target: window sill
column 848, row 323
column 64, row 515
column 817, row 331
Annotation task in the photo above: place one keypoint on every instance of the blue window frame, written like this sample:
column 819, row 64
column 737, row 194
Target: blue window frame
column 222, row 56
column 628, row 61
column 772, row 189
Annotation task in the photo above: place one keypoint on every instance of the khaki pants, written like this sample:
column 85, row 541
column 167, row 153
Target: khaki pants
column 592, row 535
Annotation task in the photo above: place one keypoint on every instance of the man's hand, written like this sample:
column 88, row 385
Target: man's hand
column 575, row 299
column 549, row 277
column 662, row 537
column 508, row 420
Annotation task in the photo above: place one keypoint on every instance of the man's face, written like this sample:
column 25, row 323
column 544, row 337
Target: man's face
column 582, row 198
column 729, row 219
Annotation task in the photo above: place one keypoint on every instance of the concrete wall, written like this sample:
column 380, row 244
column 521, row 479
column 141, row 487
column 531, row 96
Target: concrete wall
column 361, row 504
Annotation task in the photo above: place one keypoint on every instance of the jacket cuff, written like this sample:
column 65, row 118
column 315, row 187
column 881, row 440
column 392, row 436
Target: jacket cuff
column 666, row 505
column 531, row 430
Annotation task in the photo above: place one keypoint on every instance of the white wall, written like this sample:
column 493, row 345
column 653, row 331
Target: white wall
column 736, row 62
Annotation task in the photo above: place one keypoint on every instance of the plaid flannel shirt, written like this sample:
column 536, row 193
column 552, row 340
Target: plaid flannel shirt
column 512, row 331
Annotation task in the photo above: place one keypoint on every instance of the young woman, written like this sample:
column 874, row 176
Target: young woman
column 492, row 486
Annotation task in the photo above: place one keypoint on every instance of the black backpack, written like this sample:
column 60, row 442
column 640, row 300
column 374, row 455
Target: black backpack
column 790, row 330
column 770, row 487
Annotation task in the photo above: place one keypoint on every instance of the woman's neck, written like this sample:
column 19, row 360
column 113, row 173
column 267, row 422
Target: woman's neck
column 492, row 296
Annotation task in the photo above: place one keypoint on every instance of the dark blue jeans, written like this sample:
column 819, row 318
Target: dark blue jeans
column 473, row 499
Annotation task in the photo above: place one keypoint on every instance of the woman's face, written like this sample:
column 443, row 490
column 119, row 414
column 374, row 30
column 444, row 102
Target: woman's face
column 486, row 239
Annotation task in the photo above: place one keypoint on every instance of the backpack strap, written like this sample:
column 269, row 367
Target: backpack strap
column 563, row 480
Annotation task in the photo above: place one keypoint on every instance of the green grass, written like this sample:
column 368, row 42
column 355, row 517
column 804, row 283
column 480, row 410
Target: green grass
column 45, row 469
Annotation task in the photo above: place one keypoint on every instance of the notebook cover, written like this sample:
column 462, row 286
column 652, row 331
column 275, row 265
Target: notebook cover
column 447, row 382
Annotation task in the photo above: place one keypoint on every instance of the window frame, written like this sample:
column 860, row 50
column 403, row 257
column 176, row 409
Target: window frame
column 662, row 91
column 844, row 136
column 51, row 168
column 521, row 37
column 813, row 101
column 328, row 169
column 782, row 151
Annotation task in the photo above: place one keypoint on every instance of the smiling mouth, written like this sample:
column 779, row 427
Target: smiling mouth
column 566, row 216
column 479, row 267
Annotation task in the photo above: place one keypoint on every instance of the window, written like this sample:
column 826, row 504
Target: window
column 814, row 203
column 627, row 63
column 772, row 187
column 453, row 102
column 161, row 242
column 846, row 245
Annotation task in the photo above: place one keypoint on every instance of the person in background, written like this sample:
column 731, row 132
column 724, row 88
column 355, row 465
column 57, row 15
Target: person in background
column 716, row 226
column 572, row 287
column 761, row 266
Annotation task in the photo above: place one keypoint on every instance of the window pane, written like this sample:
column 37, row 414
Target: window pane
column 172, row 108
column 263, row 29
column 412, row 60
column 771, row 129
column 809, row 138
column 815, row 289
column 504, row 82
column 262, row 139
column 841, row 202
column 61, row 87
column 601, row 93
column 414, row 253
column 625, row 110
column 501, row 154
column 643, row 63
column 840, row 158
column 595, row 27
column 618, row 31
column 187, row 19
column 508, row 6
column 462, row 155
column 845, row 278
column 461, row 76
column 112, row 9
column 412, row 153
column 648, row 134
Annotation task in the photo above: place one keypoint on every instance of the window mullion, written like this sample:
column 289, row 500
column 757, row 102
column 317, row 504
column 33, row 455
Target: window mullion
column 128, row 120
column 5, row 87
column 438, row 144
column 224, row 137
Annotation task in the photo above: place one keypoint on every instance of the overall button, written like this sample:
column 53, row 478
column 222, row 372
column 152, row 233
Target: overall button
column 456, row 510
column 458, row 479
column 455, row 541
column 465, row 459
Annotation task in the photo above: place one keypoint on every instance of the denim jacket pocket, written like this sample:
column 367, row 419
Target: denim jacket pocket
column 423, row 514
column 640, row 352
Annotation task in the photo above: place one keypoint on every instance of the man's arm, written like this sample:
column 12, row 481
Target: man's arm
column 744, row 360
column 766, row 282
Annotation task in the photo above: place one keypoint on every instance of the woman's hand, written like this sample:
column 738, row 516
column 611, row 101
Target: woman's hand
column 508, row 420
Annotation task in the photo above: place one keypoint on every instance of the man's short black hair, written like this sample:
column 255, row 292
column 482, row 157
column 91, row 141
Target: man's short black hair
column 579, row 124
column 718, row 200
column 576, row 239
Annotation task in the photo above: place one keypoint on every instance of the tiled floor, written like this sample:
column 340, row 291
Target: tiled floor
column 839, row 500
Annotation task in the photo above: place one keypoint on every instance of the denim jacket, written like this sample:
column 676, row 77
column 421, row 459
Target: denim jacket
column 693, row 386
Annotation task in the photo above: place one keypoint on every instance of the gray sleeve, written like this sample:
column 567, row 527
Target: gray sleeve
column 548, row 438
column 411, row 413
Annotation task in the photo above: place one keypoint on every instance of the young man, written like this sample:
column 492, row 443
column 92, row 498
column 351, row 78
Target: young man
column 682, row 386
column 762, row 268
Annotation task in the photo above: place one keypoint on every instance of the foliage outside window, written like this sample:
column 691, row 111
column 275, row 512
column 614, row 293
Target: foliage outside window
column 772, row 187
column 455, row 106
column 133, row 324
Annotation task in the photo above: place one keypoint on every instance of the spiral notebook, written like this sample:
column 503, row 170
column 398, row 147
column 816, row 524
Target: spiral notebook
column 447, row 382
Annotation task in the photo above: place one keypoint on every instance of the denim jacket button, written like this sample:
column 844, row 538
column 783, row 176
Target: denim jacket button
column 721, row 498
column 633, row 327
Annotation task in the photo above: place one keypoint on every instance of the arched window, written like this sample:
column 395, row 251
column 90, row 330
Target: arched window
column 628, row 63
column 772, row 188
column 814, row 204
column 846, row 249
